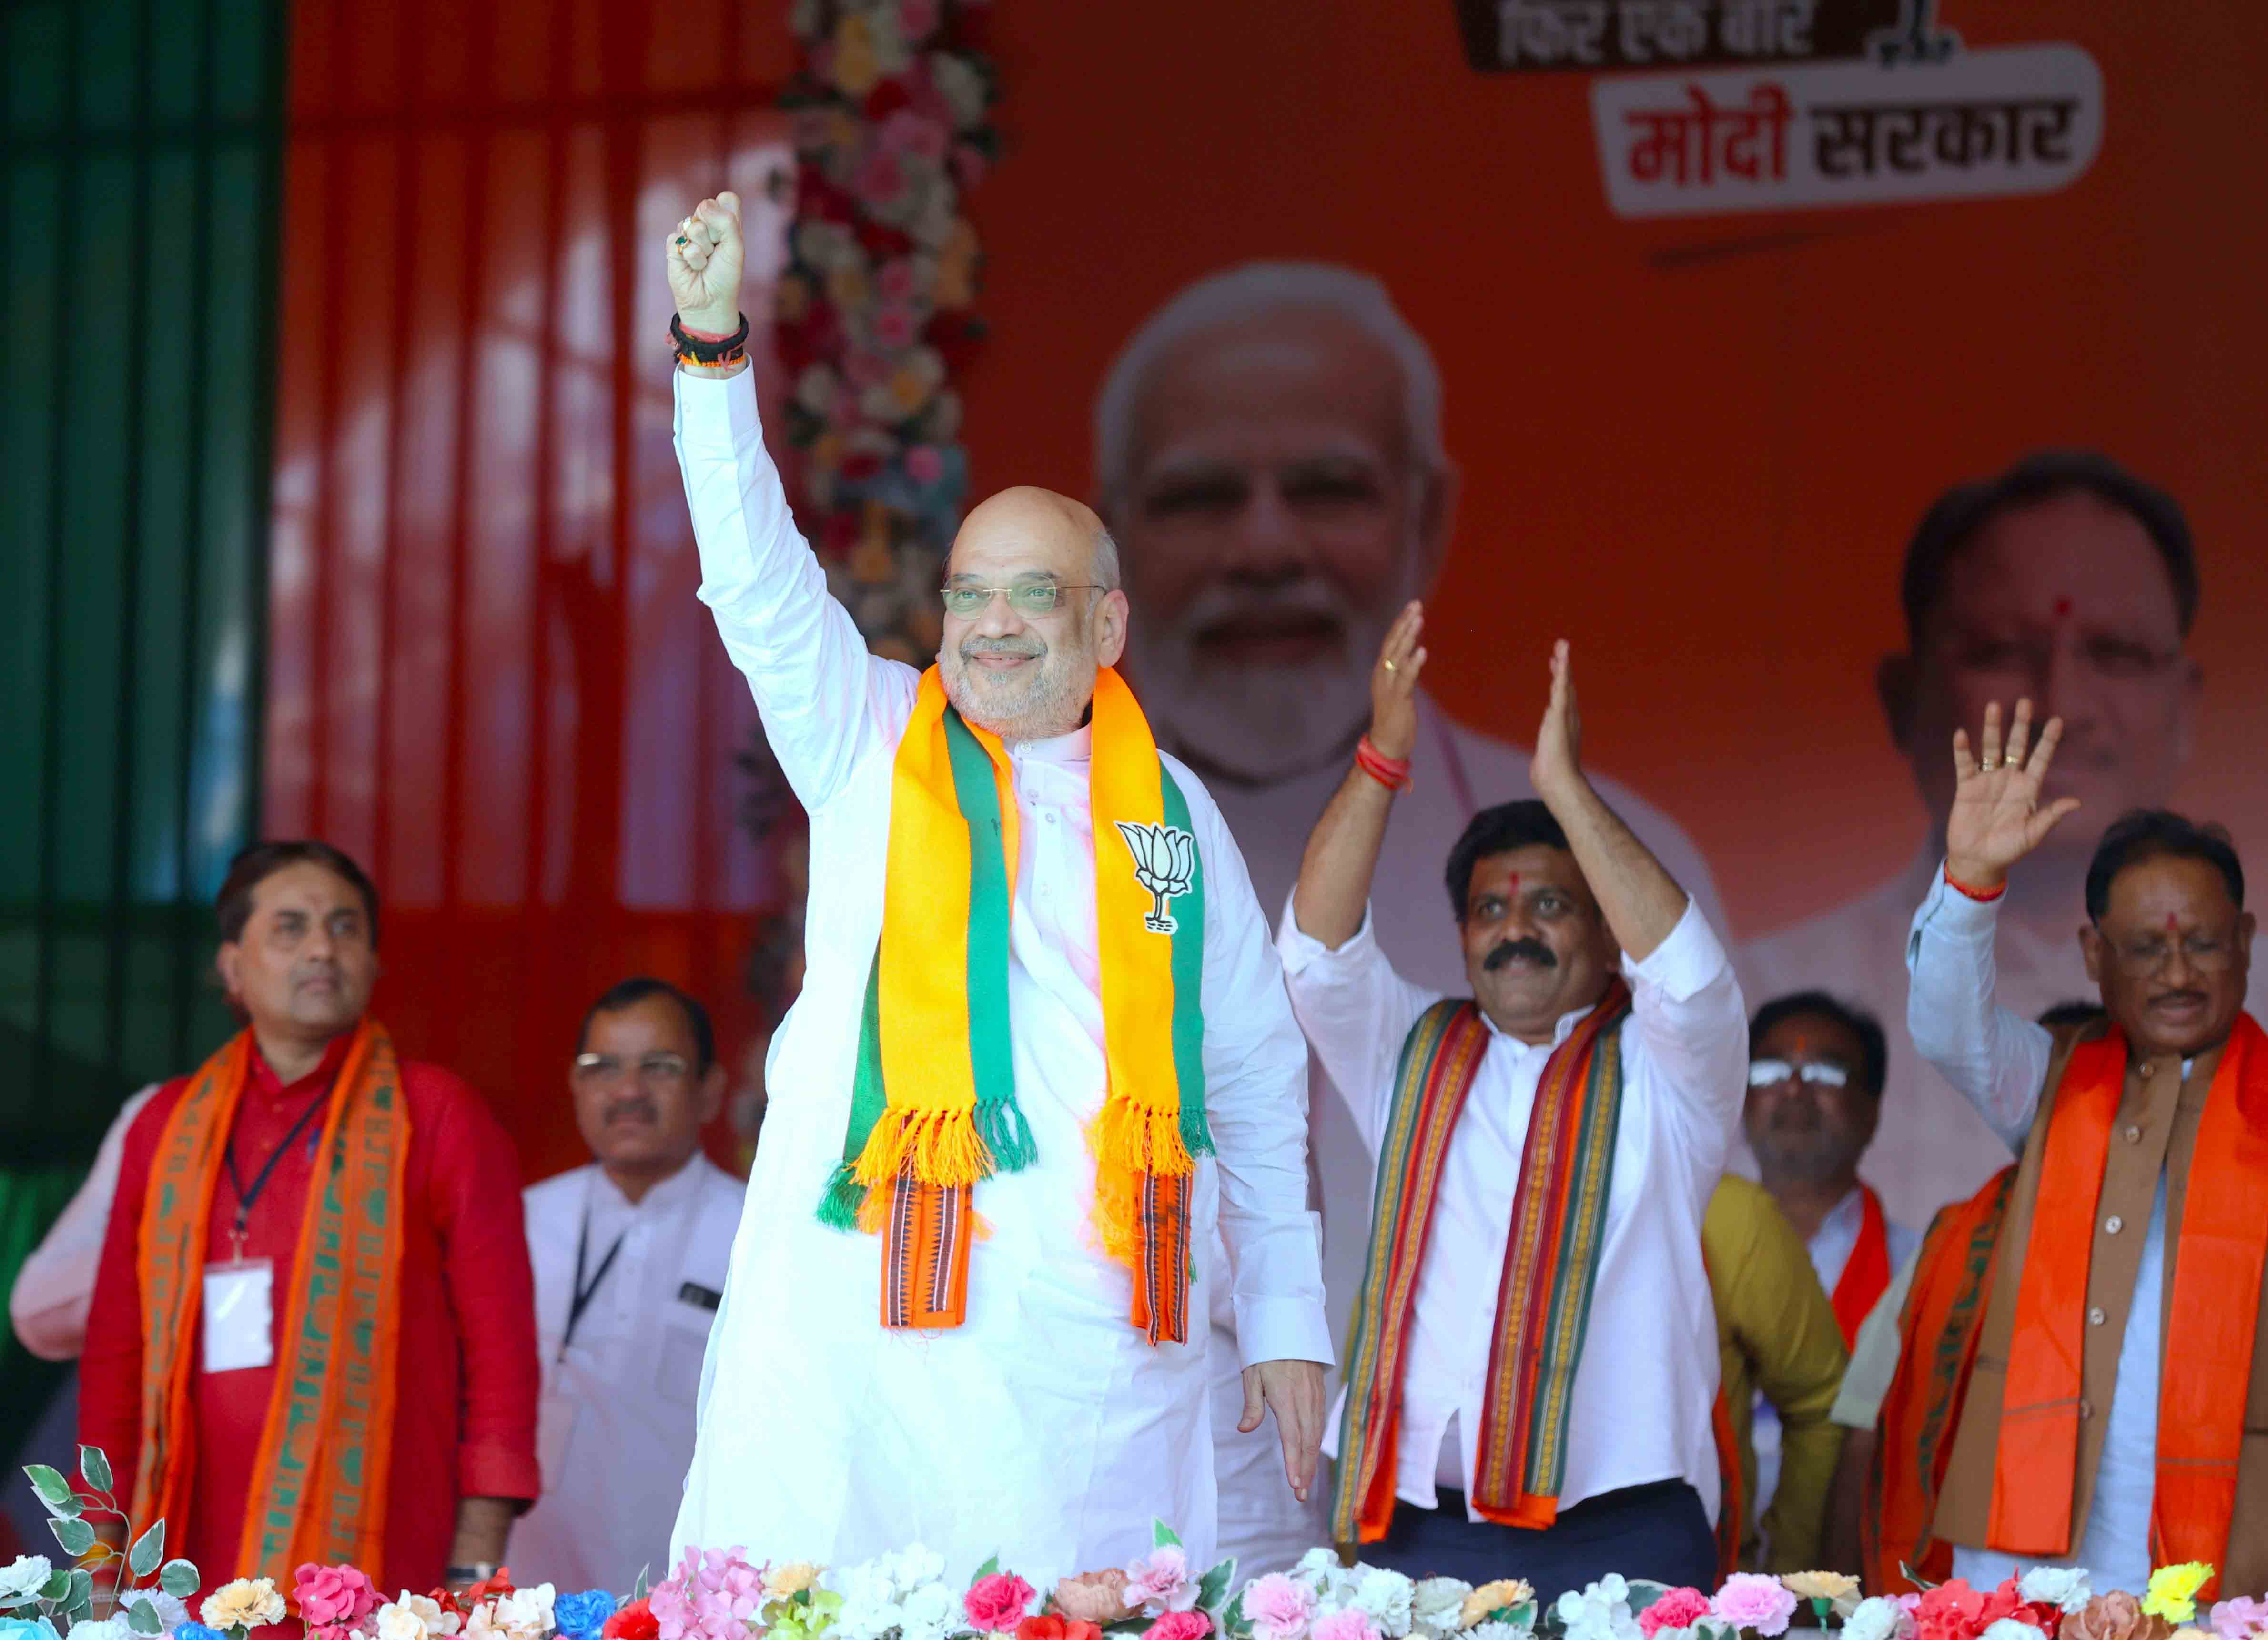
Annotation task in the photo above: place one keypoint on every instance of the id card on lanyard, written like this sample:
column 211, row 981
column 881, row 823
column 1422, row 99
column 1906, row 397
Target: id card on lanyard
column 240, row 1293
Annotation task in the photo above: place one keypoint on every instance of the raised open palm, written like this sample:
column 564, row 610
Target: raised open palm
column 1997, row 819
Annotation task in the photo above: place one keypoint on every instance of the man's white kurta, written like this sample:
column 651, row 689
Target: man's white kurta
column 1046, row 1428
column 614, row 1428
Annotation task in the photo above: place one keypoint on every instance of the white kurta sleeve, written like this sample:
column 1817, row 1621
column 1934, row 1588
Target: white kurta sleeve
column 1687, row 1013
column 825, row 701
column 1998, row 1059
column 1356, row 1010
column 1256, row 1103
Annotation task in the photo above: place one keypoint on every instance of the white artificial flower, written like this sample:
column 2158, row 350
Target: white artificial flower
column 102, row 1628
column 1877, row 1617
column 961, row 85
column 1386, row 1596
column 399, row 1622
column 1437, row 1603
column 2062, row 1586
column 171, row 1613
column 931, row 1608
column 1601, row 1612
column 1497, row 1631
column 25, row 1574
column 917, row 1566
column 2012, row 1629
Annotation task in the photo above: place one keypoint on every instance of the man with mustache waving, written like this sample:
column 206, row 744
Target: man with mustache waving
column 1533, row 1363
column 1043, row 1056
column 2084, row 1367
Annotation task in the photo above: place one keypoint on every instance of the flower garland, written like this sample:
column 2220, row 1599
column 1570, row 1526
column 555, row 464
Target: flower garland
column 872, row 316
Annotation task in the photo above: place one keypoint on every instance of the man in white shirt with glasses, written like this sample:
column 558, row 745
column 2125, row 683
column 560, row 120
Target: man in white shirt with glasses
column 630, row 1254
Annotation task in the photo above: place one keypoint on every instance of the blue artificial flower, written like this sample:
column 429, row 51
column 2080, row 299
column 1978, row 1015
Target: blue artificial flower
column 26, row 1628
column 199, row 1632
column 578, row 1616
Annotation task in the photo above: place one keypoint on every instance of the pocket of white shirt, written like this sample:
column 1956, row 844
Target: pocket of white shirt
column 684, row 1341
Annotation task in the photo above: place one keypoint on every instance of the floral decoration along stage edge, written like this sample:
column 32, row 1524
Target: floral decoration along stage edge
column 720, row 1594
column 872, row 316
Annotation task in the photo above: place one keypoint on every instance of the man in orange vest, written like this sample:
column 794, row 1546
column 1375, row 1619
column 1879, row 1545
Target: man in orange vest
column 2046, row 1408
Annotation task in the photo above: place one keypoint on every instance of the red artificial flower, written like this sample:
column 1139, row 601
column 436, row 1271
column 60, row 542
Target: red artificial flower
column 489, row 1588
column 1955, row 1611
column 634, row 1622
column 881, row 240
column 887, row 97
column 1053, row 1627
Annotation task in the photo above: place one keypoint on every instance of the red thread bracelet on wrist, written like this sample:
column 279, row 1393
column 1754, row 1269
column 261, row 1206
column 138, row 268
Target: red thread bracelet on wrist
column 1393, row 773
column 1982, row 895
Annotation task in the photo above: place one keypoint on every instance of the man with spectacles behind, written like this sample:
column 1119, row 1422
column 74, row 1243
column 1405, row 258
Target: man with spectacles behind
column 630, row 1254
column 2084, row 1364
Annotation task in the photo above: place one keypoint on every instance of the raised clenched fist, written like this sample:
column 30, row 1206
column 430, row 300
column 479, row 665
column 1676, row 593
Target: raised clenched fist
column 704, row 258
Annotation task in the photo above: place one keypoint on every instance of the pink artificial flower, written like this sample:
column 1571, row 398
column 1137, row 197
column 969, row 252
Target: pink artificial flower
column 1180, row 1625
column 895, row 281
column 1279, row 1607
column 998, row 1602
column 880, row 178
column 711, row 1596
column 333, row 1597
column 1349, row 1623
column 864, row 370
column 2240, row 1618
column 1751, row 1600
column 916, row 20
column 1162, row 1580
column 328, row 1632
column 925, row 466
column 1677, row 1609
column 969, row 165
column 907, row 132
column 896, row 325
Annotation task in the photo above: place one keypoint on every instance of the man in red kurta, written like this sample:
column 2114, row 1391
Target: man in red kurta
column 313, row 1334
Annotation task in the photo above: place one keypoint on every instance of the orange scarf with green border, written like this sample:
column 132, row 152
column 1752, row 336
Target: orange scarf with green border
column 933, row 1105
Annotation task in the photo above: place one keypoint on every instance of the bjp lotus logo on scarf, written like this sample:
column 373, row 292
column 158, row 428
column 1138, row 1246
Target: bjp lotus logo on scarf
column 1164, row 860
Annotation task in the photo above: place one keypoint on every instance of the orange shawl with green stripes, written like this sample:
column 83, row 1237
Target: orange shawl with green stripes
column 933, row 1106
column 1551, row 1264
column 318, row 1487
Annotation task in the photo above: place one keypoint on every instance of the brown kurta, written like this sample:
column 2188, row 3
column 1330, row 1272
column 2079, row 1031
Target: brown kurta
column 2156, row 1129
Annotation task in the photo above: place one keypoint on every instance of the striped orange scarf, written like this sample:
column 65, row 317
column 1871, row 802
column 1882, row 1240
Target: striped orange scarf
column 318, row 1489
column 1550, row 1263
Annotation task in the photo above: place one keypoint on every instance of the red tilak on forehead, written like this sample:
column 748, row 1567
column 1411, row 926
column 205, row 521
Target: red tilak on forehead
column 2063, row 607
column 2172, row 925
column 1515, row 880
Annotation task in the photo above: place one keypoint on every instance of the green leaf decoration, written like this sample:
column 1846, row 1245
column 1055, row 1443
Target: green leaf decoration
column 94, row 1469
column 1233, row 1622
column 1520, row 1616
column 1214, row 1587
column 54, row 1490
column 141, row 1618
column 989, row 1569
column 15, row 1601
column 178, row 1578
column 80, row 1600
column 1162, row 1536
column 56, row 1586
column 76, row 1536
column 148, row 1550
column 637, row 1589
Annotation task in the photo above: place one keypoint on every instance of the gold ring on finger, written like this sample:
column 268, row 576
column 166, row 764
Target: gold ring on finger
column 1989, row 764
column 1387, row 664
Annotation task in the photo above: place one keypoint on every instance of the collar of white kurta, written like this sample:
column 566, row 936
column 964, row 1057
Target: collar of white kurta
column 933, row 1105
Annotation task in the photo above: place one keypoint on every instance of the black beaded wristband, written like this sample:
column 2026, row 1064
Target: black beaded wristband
column 693, row 350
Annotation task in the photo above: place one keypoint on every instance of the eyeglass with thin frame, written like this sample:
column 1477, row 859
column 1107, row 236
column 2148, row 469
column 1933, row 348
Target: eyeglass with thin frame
column 2147, row 955
column 1026, row 598
column 1766, row 1073
column 653, row 1069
